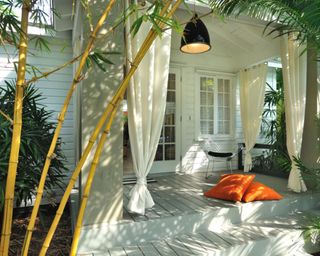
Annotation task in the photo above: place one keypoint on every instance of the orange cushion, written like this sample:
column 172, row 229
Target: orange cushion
column 230, row 187
column 258, row 191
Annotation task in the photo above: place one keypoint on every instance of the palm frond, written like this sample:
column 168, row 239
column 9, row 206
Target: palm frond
column 286, row 16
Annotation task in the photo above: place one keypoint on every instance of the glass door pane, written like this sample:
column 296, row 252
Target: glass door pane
column 167, row 141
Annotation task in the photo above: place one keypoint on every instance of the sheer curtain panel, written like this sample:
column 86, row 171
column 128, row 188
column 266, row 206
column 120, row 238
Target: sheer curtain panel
column 252, row 91
column 294, row 72
column 146, row 107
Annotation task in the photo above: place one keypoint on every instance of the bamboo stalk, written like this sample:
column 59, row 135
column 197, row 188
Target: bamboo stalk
column 6, row 116
column 76, row 80
column 110, row 108
column 48, row 73
column 93, row 167
column 16, row 133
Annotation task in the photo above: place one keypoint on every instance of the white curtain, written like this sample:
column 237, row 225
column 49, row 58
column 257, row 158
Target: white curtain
column 146, row 107
column 294, row 71
column 252, row 91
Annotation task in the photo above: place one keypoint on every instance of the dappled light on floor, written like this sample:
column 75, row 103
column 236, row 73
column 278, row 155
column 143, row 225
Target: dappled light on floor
column 184, row 222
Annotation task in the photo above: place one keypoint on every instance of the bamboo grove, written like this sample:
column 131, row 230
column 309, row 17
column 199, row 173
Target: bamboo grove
column 163, row 18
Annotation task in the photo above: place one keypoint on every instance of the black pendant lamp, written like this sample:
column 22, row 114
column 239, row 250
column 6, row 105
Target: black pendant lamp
column 195, row 37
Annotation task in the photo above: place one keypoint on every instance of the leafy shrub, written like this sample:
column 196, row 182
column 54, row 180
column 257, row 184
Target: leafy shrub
column 37, row 133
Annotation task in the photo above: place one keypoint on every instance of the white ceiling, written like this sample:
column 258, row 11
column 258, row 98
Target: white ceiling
column 241, row 40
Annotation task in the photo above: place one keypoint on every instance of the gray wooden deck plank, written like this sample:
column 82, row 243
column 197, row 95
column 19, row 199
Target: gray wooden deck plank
column 174, row 199
column 204, row 242
column 193, row 245
column 198, row 196
column 188, row 200
column 118, row 251
column 194, row 180
column 158, row 208
column 195, row 195
column 184, row 197
column 163, row 248
column 232, row 238
column 245, row 232
column 133, row 250
column 219, row 240
column 148, row 249
column 179, row 248
column 100, row 254
column 171, row 209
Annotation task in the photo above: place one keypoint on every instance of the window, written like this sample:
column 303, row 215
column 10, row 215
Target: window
column 214, row 105
column 42, row 12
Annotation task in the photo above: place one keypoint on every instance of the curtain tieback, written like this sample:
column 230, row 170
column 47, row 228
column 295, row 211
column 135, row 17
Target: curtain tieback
column 142, row 181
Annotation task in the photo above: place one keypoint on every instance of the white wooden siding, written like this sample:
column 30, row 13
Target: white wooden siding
column 54, row 88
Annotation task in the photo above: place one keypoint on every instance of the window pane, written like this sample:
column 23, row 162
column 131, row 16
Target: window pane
column 169, row 118
column 220, row 113
column 204, row 129
column 226, row 127
column 203, row 84
column 172, row 82
column 220, row 100
column 206, row 84
column 159, row 154
column 210, row 98
column 226, row 86
column 171, row 96
column 210, row 113
column 220, row 127
column 203, row 98
column 220, row 85
column 226, row 100
column 227, row 114
column 202, row 112
column 170, row 134
column 210, row 126
column 210, row 84
column 170, row 152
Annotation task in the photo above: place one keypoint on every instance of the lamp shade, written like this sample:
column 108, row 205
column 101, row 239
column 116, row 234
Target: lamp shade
column 195, row 37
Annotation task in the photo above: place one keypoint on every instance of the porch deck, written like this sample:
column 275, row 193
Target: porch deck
column 184, row 222
column 178, row 195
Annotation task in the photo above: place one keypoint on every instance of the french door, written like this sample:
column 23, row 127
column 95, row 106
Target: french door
column 167, row 158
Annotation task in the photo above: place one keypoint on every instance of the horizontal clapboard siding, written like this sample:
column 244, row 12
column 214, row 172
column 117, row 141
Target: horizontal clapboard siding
column 54, row 88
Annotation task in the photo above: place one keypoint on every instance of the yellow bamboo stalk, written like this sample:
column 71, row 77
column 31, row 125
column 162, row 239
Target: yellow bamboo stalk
column 6, row 116
column 87, row 188
column 16, row 133
column 44, row 173
column 110, row 108
column 48, row 73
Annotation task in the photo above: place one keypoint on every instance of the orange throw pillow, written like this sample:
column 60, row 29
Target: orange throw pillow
column 230, row 187
column 258, row 191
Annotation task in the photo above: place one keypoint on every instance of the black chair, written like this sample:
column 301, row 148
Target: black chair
column 213, row 152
